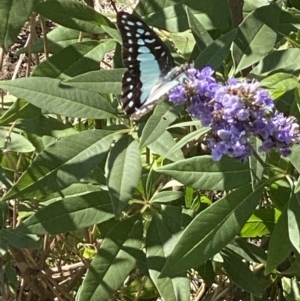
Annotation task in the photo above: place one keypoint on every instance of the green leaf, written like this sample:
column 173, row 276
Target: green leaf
column 73, row 14
column 19, row 109
column 280, row 83
column 205, row 174
column 260, row 223
column 159, row 242
column 207, row 273
column 294, row 220
column 247, row 250
column 75, row 59
column 163, row 144
column 250, row 5
column 163, row 115
column 212, row 230
column 256, row 162
column 3, row 214
column 45, row 125
column 172, row 14
column 289, row 22
column 57, row 39
column 294, row 267
column 11, row 276
column 62, row 164
column 240, row 274
column 184, row 124
column 291, row 289
column 14, row 142
column 166, row 196
column 114, row 260
column 21, row 240
column 124, row 172
column 294, row 158
column 184, row 43
column 50, row 95
column 201, row 35
column 279, row 195
column 3, row 244
column 74, row 190
column 176, row 218
column 280, row 245
column 256, row 36
column 195, row 135
column 13, row 14
column 215, row 53
column 69, row 214
column 281, row 60
column 102, row 81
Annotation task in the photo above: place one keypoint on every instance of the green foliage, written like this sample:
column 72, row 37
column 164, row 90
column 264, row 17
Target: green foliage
column 142, row 205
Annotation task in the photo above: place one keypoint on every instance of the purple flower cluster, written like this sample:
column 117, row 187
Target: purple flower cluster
column 235, row 111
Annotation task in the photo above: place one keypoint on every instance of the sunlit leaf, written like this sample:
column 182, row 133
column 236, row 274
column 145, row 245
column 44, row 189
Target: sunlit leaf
column 212, row 229
column 204, row 173
column 114, row 260
column 124, row 172
column 63, row 163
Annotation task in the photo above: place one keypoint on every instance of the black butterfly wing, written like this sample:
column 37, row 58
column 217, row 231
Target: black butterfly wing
column 146, row 58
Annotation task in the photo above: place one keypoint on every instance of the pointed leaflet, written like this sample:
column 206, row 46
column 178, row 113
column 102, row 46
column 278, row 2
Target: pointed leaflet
column 212, row 229
column 73, row 14
column 58, row 38
column 247, row 250
column 75, row 59
column 290, row 288
column 20, row 240
column 63, row 163
column 124, row 172
column 20, row 109
column 49, row 94
column 204, row 173
column 279, row 83
column 207, row 273
column 202, row 37
column 172, row 14
column 195, row 135
column 280, row 245
column 15, row 142
column 184, row 43
column 3, row 214
column 294, row 266
column 69, row 214
column 166, row 196
column 285, row 60
column 114, row 261
column 163, row 144
column 256, row 36
column 160, row 240
column 240, row 274
column 101, row 81
column 163, row 115
column 293, row 214
column 45, row 125
column 260, row 223
column 215, row 53
column 13, row 15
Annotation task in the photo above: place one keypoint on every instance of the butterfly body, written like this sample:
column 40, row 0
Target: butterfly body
column 150, row 66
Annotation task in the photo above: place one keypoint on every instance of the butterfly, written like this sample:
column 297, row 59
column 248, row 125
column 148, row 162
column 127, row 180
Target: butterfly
column 151, row 71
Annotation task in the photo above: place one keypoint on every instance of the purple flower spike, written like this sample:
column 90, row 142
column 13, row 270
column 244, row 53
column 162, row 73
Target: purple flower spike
column 235, row 112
